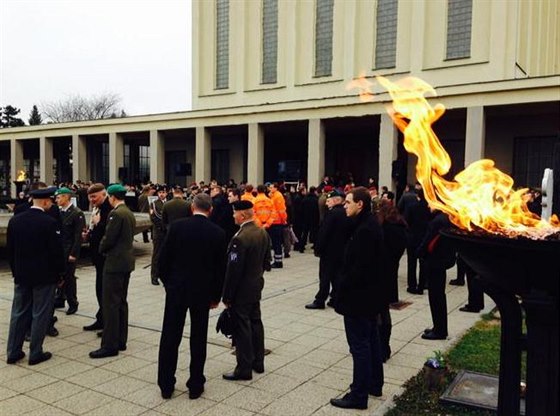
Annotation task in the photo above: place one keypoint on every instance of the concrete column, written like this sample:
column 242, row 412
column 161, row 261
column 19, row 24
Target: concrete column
column 157, row 157
column 46, row 160
column 79, row 159
column 203, row 149
column 16, row 157
column 474, row 135
column 388, row 135
column 255, row 155
column 315, row 152
column 116, row 156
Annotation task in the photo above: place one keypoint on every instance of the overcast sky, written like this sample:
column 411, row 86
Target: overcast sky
column 139, row 49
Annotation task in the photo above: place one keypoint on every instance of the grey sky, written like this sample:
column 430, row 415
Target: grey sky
column 139, row 49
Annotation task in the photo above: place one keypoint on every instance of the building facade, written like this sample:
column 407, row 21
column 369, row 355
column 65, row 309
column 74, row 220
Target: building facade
column 270, row 100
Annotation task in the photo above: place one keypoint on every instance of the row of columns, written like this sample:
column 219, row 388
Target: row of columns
column 474, row 150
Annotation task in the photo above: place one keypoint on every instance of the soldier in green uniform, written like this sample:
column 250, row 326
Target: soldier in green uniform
column 248, row 258
column 158, row 230
column 116, row 245
column 175, row 209
column 73, row 224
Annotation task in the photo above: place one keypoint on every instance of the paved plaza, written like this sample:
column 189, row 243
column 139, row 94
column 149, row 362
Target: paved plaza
column 309, row 363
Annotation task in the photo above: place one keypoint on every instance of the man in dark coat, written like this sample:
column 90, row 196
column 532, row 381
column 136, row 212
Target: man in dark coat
column 175, row 209
column 36, row 259
column 158, row 231
column 362, row 295
column 99, row 215
column 247, row 259
column 417, row 217
column 329, row 246
column 116, row 246
column 192, row 271
column 222, row 213
column 73, row 224
column 310, row 220
column 439, row 254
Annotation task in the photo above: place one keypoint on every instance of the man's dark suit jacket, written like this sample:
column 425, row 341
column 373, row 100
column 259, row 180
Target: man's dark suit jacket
column 193, row 257
column 35, row 249
column 248, row 258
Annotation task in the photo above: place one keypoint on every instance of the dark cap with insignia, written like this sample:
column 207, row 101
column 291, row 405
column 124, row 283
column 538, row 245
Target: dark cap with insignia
column 242, row 205
column 161, row 188
column 63, row 191
column 336, row 193
column 116, row 189
column 43, row 193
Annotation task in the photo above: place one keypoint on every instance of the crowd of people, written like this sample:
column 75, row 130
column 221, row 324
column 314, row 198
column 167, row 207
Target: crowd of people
column 214, row 243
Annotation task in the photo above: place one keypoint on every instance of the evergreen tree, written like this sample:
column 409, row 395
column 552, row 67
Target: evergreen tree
column 35, row 117
column 8, row 117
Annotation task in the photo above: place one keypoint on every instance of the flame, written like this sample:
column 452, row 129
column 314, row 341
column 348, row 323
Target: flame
column 21, row 176
column 363, row 85
column 481, row 196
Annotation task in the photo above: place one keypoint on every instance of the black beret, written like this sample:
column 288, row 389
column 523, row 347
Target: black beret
column 336, row 193
column 43, row 193
column 242, row 205
column 161, row 188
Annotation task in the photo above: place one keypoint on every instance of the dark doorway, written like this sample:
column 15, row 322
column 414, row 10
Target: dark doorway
column 176, row 167
column 285, row 150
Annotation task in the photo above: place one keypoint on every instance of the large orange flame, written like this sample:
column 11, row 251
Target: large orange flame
column 481, row 195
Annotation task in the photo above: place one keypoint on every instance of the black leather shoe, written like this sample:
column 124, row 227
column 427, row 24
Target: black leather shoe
column 457, row 282
column 468, row 308
column 43, row 357
column 155, row 281
column 195, row 393
column 72, row 309
column 315, row 305
column 52, row 332
column 100, row 334
column 432, row 335
column 19, row 356
column 233, row 377
column 277, row 265
column 287, row 256
column 122, row 347
column 330, row 303
column 103, row 353
column 93, row 327
column 375, row 392
column 166, row 394
column 347, row 402
column 259, row 369
column 428, row 330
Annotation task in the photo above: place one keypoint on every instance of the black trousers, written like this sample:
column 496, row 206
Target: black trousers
column 329, row 277
column 474, row 285
column 115, row 310
column 393, row 278
column 248, row 337
column 276, row 233
column 462, row 269
column 99, row 264
column 70, row 288
column 172, row 332
column 157, row 240
column 412, row 261
column 438, row 299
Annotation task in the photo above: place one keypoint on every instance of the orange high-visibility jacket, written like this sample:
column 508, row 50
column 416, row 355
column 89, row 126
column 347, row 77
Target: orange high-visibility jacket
column 281, row 216
column 264, row 211
column 248, row 196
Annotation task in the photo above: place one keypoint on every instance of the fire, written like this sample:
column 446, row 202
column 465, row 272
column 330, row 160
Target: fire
column 22, row 176
column 481, row 196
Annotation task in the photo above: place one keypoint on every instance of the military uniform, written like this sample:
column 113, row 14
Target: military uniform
column 248, row 258
column 116, row 245
column 173, row 210
column 73, row 223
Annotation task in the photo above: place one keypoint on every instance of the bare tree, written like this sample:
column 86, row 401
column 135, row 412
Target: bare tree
column 78, row 108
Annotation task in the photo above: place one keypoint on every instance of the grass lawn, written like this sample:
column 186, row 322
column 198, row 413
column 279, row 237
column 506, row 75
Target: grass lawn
column 478, row 350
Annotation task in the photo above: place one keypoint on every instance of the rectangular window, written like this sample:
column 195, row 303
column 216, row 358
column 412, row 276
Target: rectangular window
column 222, row 44
column 386, row 34
column 531, row 156
column 459, row 28
column 270, row 41
column 143, row 162
column 324, row 37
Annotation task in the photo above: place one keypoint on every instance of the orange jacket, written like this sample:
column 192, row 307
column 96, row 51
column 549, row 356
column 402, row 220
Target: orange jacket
column 248, row 196
column 281, row 216
column 264, row 211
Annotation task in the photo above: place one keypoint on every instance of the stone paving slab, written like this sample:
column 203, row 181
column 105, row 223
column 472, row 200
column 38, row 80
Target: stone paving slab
column 308, row 366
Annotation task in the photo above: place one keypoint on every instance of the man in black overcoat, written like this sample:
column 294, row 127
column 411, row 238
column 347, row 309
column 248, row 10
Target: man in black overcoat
column 100, row 213
column 192, row 271
column 329, row 246
column 36, row 259
column 247, row 259
column 362, row 295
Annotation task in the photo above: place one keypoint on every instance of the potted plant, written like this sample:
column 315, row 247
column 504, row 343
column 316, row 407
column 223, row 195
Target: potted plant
column 435, row 369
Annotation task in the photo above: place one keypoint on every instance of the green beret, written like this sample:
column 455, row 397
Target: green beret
column 63, row 191
column 116, row 189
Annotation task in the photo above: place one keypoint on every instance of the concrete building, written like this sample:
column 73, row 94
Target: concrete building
column 269, row 96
